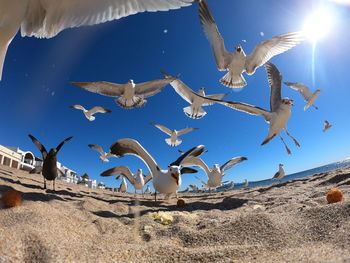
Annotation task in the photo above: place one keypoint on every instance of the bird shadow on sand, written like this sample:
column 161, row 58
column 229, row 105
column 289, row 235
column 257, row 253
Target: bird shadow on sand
column 32, row 186
column 44, row 197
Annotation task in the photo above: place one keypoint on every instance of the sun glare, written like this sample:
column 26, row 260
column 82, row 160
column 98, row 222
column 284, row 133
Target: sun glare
column 318, row 25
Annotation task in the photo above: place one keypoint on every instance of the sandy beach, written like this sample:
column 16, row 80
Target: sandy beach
column 283, row 222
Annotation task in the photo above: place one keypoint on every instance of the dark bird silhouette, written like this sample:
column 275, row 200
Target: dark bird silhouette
column 49, row 169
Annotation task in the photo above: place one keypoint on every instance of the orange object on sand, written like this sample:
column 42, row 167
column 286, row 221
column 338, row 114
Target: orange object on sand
column 11, row 198
column 180, row 202
column 334, row 195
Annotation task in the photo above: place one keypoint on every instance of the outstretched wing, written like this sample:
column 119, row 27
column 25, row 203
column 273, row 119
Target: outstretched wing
column 232, row 162
column 162, row 128
column 97, row 148
column 150, row 88
column 122, row 170
column 265, row 50
column 45, row 19
column 304, row 90
column 195, row 151
column 102, row 87
column 39, row 145
column 197, row 162
column 78, row 107
column 201, row 181
column 180, row 132
column 147, row 178
column 222, row 57
column 133, row 147
column 214, row 96
column 275, row 82
column 181, row 88
column 61, row 144
column 98, row 109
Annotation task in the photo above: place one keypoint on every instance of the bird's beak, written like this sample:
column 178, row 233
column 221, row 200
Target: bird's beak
column 176, row 177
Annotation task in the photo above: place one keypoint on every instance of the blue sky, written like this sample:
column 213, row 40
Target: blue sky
column 35, row 93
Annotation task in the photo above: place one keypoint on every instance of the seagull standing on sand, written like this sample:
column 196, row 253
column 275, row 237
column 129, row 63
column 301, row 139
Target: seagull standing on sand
column 123, row 186
column 326, row 126
column 237, row 62
column 88, row 113
column 214, row 174
column 246, row 183
column 148, row 190
column 280, row 174
column 129, row 95
column 49, row 169
column 195, row 111
column 194, row 188
column 280, row 109
column 45, row 19
column 104, row 155
column 309, row 97
column 164, row 181
column 173, row 140
column 138, row 180
column 230, row 186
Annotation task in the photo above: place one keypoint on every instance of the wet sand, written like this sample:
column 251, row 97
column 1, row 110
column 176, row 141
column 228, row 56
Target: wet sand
column 283, row 222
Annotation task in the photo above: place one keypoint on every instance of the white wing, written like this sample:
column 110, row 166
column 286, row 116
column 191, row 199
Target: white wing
column 201, row 181
column 162, row 128
column 181, row 88
column 122, row 170
column 198, row 162
column 102, row 87
column 147, row 178
column 232, row 162
column 97, row 148
column 150, row 88
column 214, row 96
column 133, row 147
column 265, row 50
column 222, row 57
column 78, row 107
column 304, row 90
column 185, row 131
column 46, row 18
column 98, row 109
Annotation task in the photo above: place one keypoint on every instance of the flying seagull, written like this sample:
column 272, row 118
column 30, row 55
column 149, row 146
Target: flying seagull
column 195, row 111
column 214, row 174
column 138, row 180
column 104, row 155
column 173, row 140
column 49, row 168
column 164, row 181
column 45, row 19
column 280, row 174
column 129, row 95
column 88, row 113
column 309, row 97
column 237, row 62
column 280, row 109
column 326, row 126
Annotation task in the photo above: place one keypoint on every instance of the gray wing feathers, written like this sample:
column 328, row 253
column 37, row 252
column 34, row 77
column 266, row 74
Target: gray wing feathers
column 197, row 162
column 102, row 87
column 122, row 170
column 214, row 96
column 274, row 77
column 98, row 109
column 97, row 148
column 186, row 131
column 162, row 128
column 234, row 161
column 150, row 88
column 303, row 89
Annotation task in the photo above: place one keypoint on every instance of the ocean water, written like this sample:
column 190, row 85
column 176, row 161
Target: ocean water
column 290, row 177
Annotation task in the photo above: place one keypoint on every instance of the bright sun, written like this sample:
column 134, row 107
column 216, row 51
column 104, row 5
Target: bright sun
column 318, row 24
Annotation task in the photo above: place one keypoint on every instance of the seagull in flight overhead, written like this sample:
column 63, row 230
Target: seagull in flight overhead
column 216, row 173
column 88, row 113
column 309, row 97
column 129, row 95
column 164, row 181
column 45, row 18
column 280, row 109
column 138, row 180
column 326, row 126
column 173, row 140
column 237, row 62
column 280, row 174
column 104, row 155
column 195, row 111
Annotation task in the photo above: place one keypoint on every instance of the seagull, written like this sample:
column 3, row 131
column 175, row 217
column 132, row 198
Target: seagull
column 182, row 152
column 195, row 111
column 280, row 109
column 138, row 180
column 164, row 181
column 230, row 186
column 326, row 126
column 148, row 190
column 194, row 188
column 123, row 186
column 185, row 191
column 280, row 174
column 104, row 155
column 214, row 174
column 237, row 62
column 309, row 97
column 49, row 168
column 129, row 95
column 246, row 183
column 45, row 19
column 173, row 140
column 88, row 113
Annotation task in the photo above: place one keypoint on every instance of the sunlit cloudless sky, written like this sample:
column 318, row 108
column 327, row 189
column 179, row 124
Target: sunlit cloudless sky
column 35, row 93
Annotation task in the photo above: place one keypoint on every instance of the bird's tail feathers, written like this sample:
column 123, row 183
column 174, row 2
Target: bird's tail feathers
column 268, row 139
column 177, row 142
column 233, row 80
column 194, row 115
column 130, row 104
